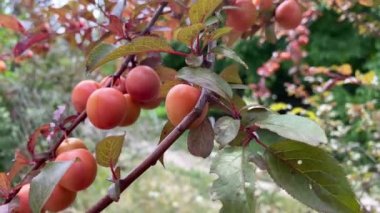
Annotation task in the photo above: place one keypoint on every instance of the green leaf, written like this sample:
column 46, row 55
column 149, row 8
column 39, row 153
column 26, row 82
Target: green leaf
column 229, row 53
column 207, row 79
column 293, row 127
column 231, row 74
column 312, row 176
column 143, row 44
column 44, row 183
column 188, row 34
column 202, row 9
column 200, row 140
column 218, row 33
column 236, row 182
column 97, row 54
column 108, row 150
column 226, row 129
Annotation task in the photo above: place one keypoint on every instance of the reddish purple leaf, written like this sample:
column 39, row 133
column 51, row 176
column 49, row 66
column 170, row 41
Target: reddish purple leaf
column 20, row 161
column 42, row 130
column 116, row 26
column 12, row 23
column 28, row 42
column 5, row 185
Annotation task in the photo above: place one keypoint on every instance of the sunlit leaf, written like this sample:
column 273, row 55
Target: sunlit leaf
column 202, row 9
column 188, row 34
column 293, row 127
column 231, row 74
column 312, row 176
column 226, row 129
column 12, row 23
column 5, row 184
column 44, row 183
column 229, row 53
column 99, row 52
column 108, row 150
column 236, row 181
column 220, row 32
column 141, row 44
column 207, row 79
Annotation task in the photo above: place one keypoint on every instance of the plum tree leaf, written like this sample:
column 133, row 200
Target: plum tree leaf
column 229, row 53
column 207, row 79
column 311, row 176
column 226, row 129
column 220, row 32
column 202, row 9
column 141, row 44
column 44, row 183
column 5, row 184
column 168, row 127
column 293, row 127
column 11, row 22
column 231, row 74
column 98, row 53
column 236, row 182
column 188, row 34
column 200, row 140
column 108, row 150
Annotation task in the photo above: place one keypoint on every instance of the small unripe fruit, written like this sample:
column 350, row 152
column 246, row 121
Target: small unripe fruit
column 81, row 92
column 70, row 144
column 243, row 18
column 82, row 172
column 289, row 14
column 143, row 84
column 180, row 101
column 132, row 112
column 118, row 84
column 106, row 108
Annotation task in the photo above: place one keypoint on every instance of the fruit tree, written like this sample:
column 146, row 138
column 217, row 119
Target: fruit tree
column 221, row 110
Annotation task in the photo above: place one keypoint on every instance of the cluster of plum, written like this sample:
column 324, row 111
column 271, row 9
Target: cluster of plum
column 78, row 177
column 120, row 105
column 288, row 14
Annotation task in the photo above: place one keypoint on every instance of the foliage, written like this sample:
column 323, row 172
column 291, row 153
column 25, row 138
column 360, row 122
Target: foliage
column 326, row 84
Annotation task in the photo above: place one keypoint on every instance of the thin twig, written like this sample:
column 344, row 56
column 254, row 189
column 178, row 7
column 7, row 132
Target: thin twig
column 81, row 117
column 157, row 153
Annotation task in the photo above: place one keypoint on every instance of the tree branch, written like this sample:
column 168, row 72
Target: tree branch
column 157, row 153
column 81, row 117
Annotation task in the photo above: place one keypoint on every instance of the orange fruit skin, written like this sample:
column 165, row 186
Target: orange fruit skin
column 60, row 199
column 132, row 112
column 3, row 66
column 82, row 92
column 151, row 104
column 82, row 172
column 143, row 84
column 106, row 108
column 23, row 196
column 70, row 144
column 241, row 19
column 288, row 14
column 119, row 84
column 180, row 101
